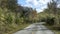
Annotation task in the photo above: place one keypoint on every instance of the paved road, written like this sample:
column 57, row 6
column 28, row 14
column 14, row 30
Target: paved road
column 35, row 29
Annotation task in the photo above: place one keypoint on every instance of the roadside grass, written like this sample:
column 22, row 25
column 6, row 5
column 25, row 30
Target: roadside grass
column 20, row 27
column 13, row 28
column 56, row 31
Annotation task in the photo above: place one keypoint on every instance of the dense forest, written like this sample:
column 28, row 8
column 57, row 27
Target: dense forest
column 13, row 16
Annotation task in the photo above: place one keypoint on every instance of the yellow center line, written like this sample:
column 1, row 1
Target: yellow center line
column 32, row 32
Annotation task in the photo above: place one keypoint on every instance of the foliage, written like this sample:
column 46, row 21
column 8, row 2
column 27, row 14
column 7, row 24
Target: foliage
column 51, row 13
column 14, row 16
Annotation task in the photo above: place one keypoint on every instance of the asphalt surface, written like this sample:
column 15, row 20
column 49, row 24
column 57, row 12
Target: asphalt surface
column 35, row 29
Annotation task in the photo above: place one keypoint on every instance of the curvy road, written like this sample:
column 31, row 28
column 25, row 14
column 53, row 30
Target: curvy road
column 36, row 28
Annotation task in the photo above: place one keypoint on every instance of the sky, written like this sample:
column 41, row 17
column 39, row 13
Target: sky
column 40, row 5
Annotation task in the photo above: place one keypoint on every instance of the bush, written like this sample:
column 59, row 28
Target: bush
column 50, row 21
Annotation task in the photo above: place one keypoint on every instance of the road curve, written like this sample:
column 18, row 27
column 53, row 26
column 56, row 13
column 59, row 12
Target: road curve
column 35, row 29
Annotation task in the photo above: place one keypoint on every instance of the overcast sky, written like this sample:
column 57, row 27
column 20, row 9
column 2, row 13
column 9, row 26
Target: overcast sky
column 38, row 4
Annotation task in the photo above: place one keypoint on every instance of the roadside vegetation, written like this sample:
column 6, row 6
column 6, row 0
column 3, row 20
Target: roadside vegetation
column 14, row 17
column 51, row 16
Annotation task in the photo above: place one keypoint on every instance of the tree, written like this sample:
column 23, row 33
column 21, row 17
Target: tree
column 3, row 3
column 52, row 7
column 12, row 4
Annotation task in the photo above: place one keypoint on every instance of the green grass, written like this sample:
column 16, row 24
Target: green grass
column 20, row 27
column 10, row 29
column 56, row 32
column 53, row 29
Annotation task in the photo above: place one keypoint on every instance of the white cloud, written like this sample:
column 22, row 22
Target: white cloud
column 41, row 9
column 28, row 5
column 37, row 2
column 58, row 5
column 34, row 2
column 41, row 4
